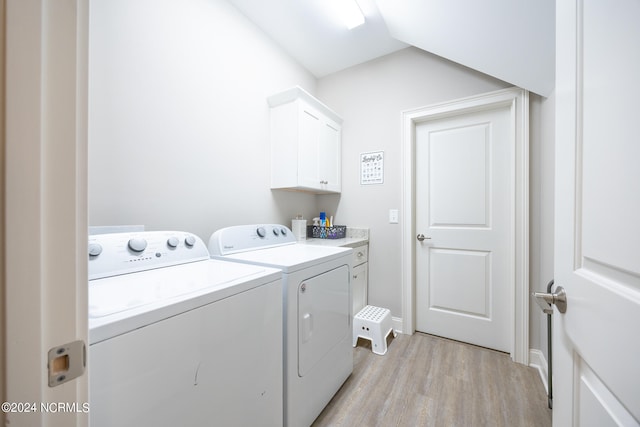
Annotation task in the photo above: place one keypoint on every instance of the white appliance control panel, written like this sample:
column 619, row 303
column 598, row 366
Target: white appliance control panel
column 242, row 238
column 123, row 253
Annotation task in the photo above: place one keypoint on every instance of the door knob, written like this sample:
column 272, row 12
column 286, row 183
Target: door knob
column 559, row 298
column 421, row 237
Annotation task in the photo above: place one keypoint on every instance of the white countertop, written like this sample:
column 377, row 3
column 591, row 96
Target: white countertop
column 348, row 242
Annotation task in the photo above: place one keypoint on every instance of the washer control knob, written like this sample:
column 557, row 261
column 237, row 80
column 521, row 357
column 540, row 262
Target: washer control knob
column 137, row 244
column 276, row 232
column 95, row 249
column 261, row 232
column 172, row 242
column 283, row 231
column 190, row 241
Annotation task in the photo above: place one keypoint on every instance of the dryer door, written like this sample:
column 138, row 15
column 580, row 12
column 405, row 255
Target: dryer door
column 323, row 316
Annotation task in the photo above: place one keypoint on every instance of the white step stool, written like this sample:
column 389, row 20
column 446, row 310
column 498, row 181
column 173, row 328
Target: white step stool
column 374, row 324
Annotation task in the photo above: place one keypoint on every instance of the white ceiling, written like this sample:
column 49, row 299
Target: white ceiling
column 512, row 40
column 321, row 44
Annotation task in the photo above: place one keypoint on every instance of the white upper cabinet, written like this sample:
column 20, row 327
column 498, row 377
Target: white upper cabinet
column 305, row 143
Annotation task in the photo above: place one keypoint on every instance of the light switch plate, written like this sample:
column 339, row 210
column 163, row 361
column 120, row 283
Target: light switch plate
column 393, row 216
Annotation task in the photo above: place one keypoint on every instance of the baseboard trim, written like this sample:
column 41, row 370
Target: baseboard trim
column 539, row 362
column 397, row 324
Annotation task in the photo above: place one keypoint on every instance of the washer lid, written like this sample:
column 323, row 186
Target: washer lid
column 121, row 303
column 291, row 258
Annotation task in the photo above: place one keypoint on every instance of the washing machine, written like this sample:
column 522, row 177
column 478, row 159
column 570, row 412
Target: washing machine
column 179, row 339
column 317, row 328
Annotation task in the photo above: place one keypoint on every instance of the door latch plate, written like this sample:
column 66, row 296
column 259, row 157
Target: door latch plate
column 66, row 362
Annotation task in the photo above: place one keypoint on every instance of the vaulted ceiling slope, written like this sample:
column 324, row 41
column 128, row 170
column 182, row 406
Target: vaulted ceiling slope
column 512, row 40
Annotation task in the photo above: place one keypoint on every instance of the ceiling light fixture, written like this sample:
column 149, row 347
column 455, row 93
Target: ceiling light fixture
column 348, row 12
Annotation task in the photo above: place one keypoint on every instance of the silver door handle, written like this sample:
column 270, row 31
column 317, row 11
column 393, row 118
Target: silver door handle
column 559, row 298
column 421, row 237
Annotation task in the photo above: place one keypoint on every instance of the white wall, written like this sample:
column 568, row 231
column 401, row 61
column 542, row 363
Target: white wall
column 178, row 119
column 370, row 98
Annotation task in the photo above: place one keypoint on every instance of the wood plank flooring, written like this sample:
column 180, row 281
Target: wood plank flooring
column 430, row 381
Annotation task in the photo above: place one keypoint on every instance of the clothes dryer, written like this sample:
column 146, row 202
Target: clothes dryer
column 317, row 328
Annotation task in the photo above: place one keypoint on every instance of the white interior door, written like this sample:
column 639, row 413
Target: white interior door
column 597, row 253
column 464, row 199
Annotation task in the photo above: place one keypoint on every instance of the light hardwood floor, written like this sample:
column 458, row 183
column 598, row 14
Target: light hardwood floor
column 430, row 381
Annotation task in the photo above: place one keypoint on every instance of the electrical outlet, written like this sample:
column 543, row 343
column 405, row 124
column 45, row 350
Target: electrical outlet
column 393, row 216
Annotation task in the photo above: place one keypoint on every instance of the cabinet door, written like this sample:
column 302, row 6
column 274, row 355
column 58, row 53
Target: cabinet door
column 309, row 147
column 329, row 155
column 359, row 287
column 305, row 143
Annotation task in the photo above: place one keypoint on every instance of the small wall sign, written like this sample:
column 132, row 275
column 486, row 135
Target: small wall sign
column 372, row 168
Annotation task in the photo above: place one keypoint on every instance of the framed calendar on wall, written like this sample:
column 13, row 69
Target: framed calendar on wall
column 372, row 168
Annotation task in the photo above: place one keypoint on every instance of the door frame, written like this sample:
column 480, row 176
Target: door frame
column 44, row 110
column 518, row 101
